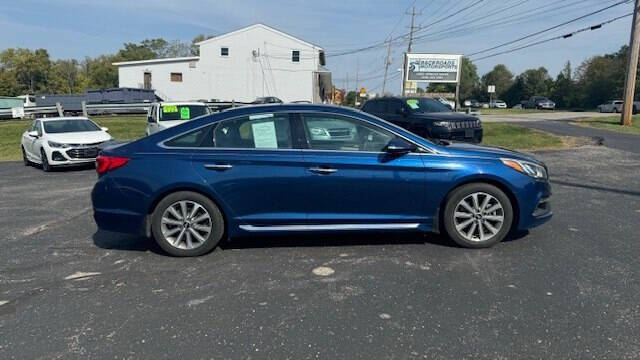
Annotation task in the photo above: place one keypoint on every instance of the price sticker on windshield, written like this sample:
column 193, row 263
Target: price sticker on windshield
column 167, row 109
column 413, row 103
column 185, row 113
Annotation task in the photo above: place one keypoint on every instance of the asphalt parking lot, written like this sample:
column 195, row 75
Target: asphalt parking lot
column 568, row 289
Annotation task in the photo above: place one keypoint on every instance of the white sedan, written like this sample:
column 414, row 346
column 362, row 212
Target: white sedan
column 63, row 141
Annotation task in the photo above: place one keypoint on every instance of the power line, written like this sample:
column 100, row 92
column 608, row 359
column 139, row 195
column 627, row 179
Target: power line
column 565, row 36
column 548, row 29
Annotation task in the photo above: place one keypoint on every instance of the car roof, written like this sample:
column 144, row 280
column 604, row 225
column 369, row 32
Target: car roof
column 63, row 118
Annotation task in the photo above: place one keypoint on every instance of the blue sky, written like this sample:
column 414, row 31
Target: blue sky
column 79, row 28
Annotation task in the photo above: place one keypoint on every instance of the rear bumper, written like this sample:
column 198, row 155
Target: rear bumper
column 109, row 212
column 119, row 221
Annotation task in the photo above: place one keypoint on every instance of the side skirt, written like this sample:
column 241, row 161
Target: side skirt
column 330, row 227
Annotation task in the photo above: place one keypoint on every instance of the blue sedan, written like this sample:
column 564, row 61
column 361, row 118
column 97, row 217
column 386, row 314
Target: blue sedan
column 311, row 168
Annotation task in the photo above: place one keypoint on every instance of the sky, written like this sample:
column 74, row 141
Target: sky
column 79, row 28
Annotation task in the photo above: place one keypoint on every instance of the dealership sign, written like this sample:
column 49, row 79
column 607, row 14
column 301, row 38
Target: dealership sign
column 440, row 68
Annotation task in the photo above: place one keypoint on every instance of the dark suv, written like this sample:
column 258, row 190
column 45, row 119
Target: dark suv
column 426, row 117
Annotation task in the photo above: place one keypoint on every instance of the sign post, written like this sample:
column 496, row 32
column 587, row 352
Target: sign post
column 491, row 90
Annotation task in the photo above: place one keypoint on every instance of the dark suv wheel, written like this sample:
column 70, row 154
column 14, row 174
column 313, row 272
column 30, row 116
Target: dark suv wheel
column 187, row 224
column 477, row 215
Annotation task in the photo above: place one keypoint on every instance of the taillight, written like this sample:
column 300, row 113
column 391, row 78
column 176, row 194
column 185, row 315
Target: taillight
column 108, row 163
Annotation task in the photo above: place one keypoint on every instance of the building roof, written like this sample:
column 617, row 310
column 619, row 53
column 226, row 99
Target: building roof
column 156, row 61
column 262, row 26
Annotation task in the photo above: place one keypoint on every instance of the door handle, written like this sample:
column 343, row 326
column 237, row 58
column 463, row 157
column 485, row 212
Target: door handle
column 322, row 170
column 218, row 167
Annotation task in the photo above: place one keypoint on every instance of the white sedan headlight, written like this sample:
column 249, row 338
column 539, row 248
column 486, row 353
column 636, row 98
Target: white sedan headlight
column 526, row 167
column 54, row 144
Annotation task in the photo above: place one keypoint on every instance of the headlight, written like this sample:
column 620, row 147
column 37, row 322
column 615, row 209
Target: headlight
column 441, row 123
column 526, row 167
column 54, row 144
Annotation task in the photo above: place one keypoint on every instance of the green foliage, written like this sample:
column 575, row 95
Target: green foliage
column 350, row 99
column 501, row 77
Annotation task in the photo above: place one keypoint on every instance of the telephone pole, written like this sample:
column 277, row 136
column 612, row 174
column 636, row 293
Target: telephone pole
column 412, row 28
column 632, row 67
column 387, row 62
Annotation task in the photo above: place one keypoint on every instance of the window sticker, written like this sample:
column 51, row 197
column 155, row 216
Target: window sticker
column 413, row 103
column 264, row 135
column 167, row 109
column 185, row 113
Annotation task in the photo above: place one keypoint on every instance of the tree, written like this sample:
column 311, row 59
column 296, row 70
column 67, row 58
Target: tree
column 564, row 89
column 101, row 72
column 66, row 77
column 536, row 82
column 29, row 68
column 195, row 49
column 501, row 77
column 350, row 99
column 469, row 82
column 135, row 52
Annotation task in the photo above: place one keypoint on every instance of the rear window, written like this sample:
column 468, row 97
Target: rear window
column 182, row 112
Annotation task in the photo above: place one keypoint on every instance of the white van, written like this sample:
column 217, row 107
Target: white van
column 163, row 115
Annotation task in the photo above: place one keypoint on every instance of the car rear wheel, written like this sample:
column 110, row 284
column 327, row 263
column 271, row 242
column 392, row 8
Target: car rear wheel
column 478, row 215
column 187, row 224
column 45, row 162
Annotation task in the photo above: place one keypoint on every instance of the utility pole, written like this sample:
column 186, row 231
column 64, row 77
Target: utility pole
column 632, row 67
column 387, row 62
column 357, row 91
column 412, row 28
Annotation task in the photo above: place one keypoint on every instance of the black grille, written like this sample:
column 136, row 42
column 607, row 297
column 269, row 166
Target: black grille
column 83, row 153
column 464, row 124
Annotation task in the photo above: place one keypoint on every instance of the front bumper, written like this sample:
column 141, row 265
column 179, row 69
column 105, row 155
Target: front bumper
column 537, row 212
column 72, row 156
column 472, row 135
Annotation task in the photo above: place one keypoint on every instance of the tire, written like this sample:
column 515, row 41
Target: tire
column 456, row 215
column 24, row 157
column 615, row 110
column 184, row 240
column 45, row 162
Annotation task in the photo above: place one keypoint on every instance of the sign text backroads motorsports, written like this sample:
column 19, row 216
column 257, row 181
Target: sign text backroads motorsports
column 433, row 67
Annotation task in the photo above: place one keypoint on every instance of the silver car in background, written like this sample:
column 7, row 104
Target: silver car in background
column 611, row 106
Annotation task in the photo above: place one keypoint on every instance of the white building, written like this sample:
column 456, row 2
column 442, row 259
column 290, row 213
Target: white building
column 242, row 65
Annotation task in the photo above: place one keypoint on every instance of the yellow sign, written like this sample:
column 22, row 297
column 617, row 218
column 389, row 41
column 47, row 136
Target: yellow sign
column 363, row 90
column 169, row 109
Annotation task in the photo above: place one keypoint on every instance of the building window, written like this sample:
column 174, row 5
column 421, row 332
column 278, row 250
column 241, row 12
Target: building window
column 295, row 56
column 176, row 77
column 224, row 51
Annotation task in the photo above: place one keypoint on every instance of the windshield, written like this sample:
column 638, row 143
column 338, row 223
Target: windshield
column 67, row 126
column 182, row 112
column 427, row 105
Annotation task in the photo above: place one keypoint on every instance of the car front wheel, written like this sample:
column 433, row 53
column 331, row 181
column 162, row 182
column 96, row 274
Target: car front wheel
column 45, row 161
column 478, row 215
column 187, row 224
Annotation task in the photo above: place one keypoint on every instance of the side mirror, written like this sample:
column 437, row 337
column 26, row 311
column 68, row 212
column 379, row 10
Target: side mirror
column 398, row 146
column 33, row 134
column 104, row 128
column 150, row 119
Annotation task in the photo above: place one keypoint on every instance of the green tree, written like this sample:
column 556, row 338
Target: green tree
column 536, row 82
column 29, row 68
column 564, row 90
column 101, row 73
column 469, row 82
column 195, row 49
column 501, row 77
column 350, row 99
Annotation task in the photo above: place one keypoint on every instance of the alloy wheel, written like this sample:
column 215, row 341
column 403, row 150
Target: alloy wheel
column 478, row 217
column 186, row 225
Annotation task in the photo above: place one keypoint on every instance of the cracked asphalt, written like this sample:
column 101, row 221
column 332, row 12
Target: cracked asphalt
column 568, row 289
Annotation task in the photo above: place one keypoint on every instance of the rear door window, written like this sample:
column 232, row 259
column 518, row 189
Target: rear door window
column 261, row 131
